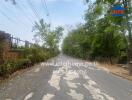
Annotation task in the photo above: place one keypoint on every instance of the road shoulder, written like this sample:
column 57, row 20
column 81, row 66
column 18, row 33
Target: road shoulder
column 116, row 70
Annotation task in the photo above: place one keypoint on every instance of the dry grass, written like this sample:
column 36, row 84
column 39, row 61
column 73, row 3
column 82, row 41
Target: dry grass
column 117, row 70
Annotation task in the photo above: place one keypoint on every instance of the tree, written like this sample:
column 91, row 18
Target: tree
column 100, row 37
column 76, row 43
column 49, row 38
column 108, row 42
column 123, row 22
column 109, row 38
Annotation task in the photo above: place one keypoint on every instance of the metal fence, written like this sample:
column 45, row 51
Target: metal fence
column 14, row 42
column 18, row 43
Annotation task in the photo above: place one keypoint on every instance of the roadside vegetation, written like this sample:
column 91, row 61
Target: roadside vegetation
column 36, row 53
column 102, row 38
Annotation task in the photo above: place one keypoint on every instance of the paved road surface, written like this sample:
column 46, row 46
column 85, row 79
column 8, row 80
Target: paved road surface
column 66, row 78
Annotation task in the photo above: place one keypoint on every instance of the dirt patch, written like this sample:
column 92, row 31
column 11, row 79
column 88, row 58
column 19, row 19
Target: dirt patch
column 116, row 69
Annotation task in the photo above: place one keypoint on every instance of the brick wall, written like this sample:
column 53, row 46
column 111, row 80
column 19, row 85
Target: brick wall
column 7, row 52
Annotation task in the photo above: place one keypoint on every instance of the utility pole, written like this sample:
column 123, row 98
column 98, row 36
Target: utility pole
column 127, row 6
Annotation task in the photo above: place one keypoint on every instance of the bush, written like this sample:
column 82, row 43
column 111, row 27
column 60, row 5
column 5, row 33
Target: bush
column 37, row 54
column 28, row 57
column 11, row 66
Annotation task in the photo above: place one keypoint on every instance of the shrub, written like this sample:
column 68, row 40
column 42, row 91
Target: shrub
column 28, row 57
column 39, row 54
column 11, row 66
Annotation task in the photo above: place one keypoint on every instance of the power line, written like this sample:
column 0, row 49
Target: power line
column 45, row 5
column 9, row 19
column 30, row 17
column 33, row 9
column 2, row 13
column 26, row 16
column 12, row 12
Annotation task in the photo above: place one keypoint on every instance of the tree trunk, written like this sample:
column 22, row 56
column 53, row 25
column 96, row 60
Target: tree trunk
column 130, row 68
column 110, row 60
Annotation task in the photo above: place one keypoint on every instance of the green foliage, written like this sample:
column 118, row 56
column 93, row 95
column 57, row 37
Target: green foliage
column 28, row 57
column 101, row 37
column 50, row 38
column 11, row 66
column 36, row 54
column 76, row 43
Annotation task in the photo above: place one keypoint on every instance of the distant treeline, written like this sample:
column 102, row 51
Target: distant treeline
column 103, row 37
